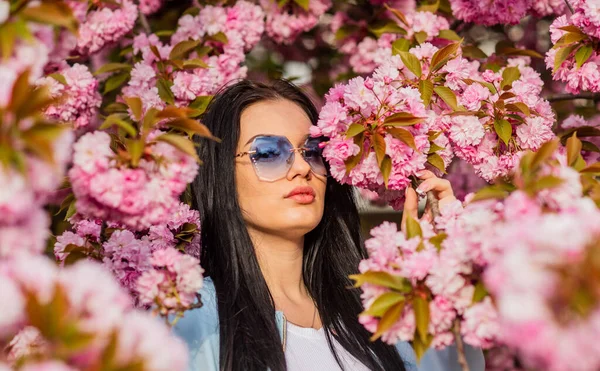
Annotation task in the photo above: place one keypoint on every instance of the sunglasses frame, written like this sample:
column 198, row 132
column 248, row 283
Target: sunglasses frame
column 290, row 159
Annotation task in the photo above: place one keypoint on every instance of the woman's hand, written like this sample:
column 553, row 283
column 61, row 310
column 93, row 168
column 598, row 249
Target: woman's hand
column 441, row 188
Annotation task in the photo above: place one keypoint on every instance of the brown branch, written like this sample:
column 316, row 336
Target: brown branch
column 460, row 348
column 145, row 24
column 561, row 97
column 569, row 6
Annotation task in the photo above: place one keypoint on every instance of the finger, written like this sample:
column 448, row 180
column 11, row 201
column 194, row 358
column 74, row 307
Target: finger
column 425, row 174
column 411, row 206
column 441, row 187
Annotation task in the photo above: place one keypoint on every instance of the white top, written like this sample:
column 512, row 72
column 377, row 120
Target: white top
column 306, row 349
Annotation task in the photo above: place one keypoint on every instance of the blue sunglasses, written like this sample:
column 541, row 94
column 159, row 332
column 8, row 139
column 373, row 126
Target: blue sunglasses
column 272, row 156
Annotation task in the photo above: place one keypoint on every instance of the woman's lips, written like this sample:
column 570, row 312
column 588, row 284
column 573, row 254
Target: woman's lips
column 302, row 195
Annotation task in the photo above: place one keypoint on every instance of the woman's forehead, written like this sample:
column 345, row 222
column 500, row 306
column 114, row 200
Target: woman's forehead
column 274, row 117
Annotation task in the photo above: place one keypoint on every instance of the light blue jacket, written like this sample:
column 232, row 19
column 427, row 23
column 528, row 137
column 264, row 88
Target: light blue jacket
column 200, row 330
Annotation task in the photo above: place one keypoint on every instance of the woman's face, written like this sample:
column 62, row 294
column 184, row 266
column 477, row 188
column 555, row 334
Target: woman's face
column 285, row 206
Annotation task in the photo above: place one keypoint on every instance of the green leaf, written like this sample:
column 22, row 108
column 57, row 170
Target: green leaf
column 58, row 77
column 420, row 347
column 191, row 125
column 71, row 210
column 398, row 14
column 135, row 104
column 546, row 182
column 432, row 8
column 400, row 45
column 345, row 31
column 200, row 104
column 111, row 67
column 412, row 63
column 426, row 89
column 115, row 81
column 379, row 146
column 352, row 161
column 382, row 279
column 421, row 308
column 403, row 135
column 116, row 120
column 504, row 130
column 354, row 130
column 436, row 161
column 195, row 63
column 433, row 148
column 402, row 119
column 570, row 38
column 181, row 143
column 164, row 91
column 519, row 107
column 589, row 146
column 8, row 37
column 573, row 149
column 303, row 4
column 52, row 13
column 480, row 292
column 183, row 48
column 437, row 240
column 583, row 54
column 447, row 96
column 571, row 28
column 473, row 52
column 379, row 29
column 561, row 55
column 383, row 303
column 593, row 168
column 219, row 37
column 386, row 169
column 449, row 35
column 543, row 154
column 440, row 57
column 135, row 148
column 413, row 228
column 509, row 75
column 389, row 318
column 421, row 37
column 488, row 193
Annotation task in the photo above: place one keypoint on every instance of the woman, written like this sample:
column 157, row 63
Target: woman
column 279, row 241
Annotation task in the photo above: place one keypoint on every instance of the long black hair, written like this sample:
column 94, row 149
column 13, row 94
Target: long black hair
column 249, row 339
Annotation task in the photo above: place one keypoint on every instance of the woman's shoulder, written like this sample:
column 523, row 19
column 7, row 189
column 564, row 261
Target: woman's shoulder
column 198, row 324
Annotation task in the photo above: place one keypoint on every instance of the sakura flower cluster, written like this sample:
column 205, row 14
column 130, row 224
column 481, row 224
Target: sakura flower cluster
column 503, row 11
column 88, row 307
column 368, row 53
column 130, row 255
column 575, row 58
column 29, row 183
column 545, row 281
column 368, row 103
column 508, row 117
column 136, row 197
column 80, row 98
column 439, row 277
column 173, row 282
column 227, row 32
column 285, row 23
column 105, row 25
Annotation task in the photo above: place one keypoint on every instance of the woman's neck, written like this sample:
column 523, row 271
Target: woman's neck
column 280, row 260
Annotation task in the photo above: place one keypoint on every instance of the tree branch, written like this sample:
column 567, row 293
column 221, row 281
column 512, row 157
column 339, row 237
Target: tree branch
column 561, row 97
column 145, row 24
column 569, row 6
column 460, row 348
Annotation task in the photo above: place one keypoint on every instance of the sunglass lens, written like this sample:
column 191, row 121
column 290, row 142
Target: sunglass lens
column 313, row 154
column 271, row 157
